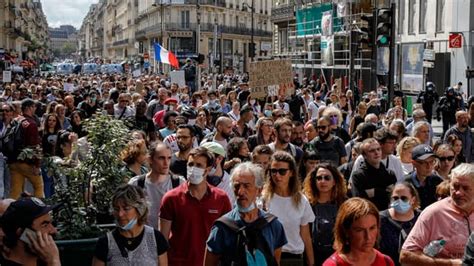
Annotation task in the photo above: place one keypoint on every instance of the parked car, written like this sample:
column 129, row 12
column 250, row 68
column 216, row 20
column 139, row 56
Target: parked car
column 65, row 69
column 111, row 69
column 90, row 68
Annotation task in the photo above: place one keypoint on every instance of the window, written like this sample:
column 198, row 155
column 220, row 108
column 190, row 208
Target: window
column 401, row 16
column 423, row 8
column 185, row 19
column 440, row 12
column 411, row 16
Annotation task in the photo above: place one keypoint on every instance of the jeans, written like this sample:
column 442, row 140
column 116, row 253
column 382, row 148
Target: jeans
column 5, row 181
column 19, row 171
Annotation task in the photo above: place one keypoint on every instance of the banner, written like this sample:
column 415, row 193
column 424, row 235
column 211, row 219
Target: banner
column 327, row 50
column 271, row 78
column 326, row 23
column 178, row 78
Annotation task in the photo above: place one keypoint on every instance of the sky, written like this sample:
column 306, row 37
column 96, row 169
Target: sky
column 66, row 12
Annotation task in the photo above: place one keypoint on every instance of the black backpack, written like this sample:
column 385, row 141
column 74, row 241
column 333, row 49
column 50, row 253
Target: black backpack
column 250, row 244
column 12, row 142
column 141, row 181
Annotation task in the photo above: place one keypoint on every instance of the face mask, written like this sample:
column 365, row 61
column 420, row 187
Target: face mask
column 195, row 175
column 212, row 101
column 318, row 98
column 245, row 210
column 185, row 102
column 252, row 102
column 128, row 226
column 268, row 113
column 400, row 206
column 214, row 180
column 334, row 120
column 191, row 122
column 93, row 99
column 170, row 108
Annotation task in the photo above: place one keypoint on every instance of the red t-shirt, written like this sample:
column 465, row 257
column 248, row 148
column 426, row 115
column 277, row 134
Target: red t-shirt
column 191, row 222
column 380, row 260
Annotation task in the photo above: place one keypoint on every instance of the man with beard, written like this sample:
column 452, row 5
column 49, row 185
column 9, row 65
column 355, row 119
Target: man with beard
column 157, row 181
column 450, row 219
column 141, row 122
column 330, row 147
column 297, row 134
column 28, row 234
column 283, row 129
column 222, row 133
column 185, row 139
column 463, row 131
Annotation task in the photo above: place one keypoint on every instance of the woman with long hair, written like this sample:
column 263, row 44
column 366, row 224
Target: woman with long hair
column 134, row 155
column 326, row 190
column 264, row 135
column 76, row 124
column 355, row 235
column 397, row 221
column 456, row 143
column 358, row 117
column 282, row 197
column 49, row 133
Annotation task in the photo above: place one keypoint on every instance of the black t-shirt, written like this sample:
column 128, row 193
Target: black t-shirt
column 141, row 123
column 295, row 107
column 427, row 191
column 102, row 248
column 178, row 166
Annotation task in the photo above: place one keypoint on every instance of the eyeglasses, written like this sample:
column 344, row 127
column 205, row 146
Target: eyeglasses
column 325, row 177
column 321, row 127
column 448, row 158
column 403, row 198
column 280, row 171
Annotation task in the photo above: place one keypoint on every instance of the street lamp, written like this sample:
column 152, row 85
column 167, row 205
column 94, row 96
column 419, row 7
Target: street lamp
column 252, row 45
column 161, row 20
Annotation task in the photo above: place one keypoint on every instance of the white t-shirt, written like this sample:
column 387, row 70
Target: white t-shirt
column 313, row 109
column 226, row 186
column 291, row 218
column 154, row 194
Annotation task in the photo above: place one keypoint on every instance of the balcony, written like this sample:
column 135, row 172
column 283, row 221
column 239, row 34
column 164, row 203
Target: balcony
column 283, row 13
column 121, row 42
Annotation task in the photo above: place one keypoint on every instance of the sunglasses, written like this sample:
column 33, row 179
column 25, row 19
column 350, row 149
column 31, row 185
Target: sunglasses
column 325, row 177
column 448, row 158
column 280, row 171
column 403, row 198
column 321, row 127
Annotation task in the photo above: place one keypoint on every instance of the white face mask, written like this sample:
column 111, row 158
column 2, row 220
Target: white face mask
column 195, row 175
column 252, row 102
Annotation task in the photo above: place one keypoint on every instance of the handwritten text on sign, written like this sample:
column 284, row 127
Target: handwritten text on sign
column 271, row 78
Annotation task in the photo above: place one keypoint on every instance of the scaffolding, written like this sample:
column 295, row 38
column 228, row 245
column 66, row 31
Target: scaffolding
column 352, row 60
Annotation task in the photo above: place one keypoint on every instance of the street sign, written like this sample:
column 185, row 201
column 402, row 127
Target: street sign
column 428, row 64
column 455, row 40
column 428, row 55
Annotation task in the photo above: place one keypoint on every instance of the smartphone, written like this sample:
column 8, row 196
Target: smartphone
column 24, row 236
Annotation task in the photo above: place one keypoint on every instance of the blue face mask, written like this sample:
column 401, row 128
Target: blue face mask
column 400, row 206
column 128, row 226
column 268, row 113
column 245, row 210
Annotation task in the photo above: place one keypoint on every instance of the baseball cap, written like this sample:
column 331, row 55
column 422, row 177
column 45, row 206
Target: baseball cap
column 22, row 213
column 422, row 152
column 214, row 148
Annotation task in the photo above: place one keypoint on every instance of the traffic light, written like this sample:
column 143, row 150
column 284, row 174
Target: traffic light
column 384, row 26
column 367, row 35
column 252, row 50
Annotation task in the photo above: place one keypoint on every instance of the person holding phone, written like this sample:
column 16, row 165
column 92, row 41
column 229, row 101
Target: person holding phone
column 28, row 234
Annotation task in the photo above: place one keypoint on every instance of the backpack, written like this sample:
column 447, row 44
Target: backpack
column 12, row 143
column 141, row 181
column 251, row 247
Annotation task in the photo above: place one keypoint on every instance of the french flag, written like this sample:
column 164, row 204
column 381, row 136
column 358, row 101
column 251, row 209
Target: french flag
column 164, row 56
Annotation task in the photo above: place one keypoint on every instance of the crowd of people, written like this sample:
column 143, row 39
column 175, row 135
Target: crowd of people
column 214, row 176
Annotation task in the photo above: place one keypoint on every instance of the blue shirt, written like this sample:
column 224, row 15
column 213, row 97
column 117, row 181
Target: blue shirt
column 222, row 240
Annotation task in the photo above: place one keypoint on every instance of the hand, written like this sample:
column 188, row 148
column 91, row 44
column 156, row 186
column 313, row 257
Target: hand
column 456, row 262
column 45, row 247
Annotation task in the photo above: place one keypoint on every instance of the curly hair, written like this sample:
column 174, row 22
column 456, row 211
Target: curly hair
column 133, row 150
column 133, row 196
column 339, row 191
column 294, row 183
column 233, row 147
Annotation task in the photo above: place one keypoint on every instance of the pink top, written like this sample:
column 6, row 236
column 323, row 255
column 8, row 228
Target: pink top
column 380, row 260
column 441, row 220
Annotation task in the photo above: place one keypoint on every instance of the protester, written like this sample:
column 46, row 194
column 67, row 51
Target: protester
column 355, row 233
column 247, row 181
column 132, row 240
column 326, row 190
column 450, row 219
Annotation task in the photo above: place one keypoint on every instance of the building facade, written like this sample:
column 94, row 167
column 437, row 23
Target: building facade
column 132, row 27
column 23, row 32
column 63, row 41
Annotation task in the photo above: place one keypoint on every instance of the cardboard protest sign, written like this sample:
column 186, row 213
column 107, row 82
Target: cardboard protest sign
column 271, row 78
